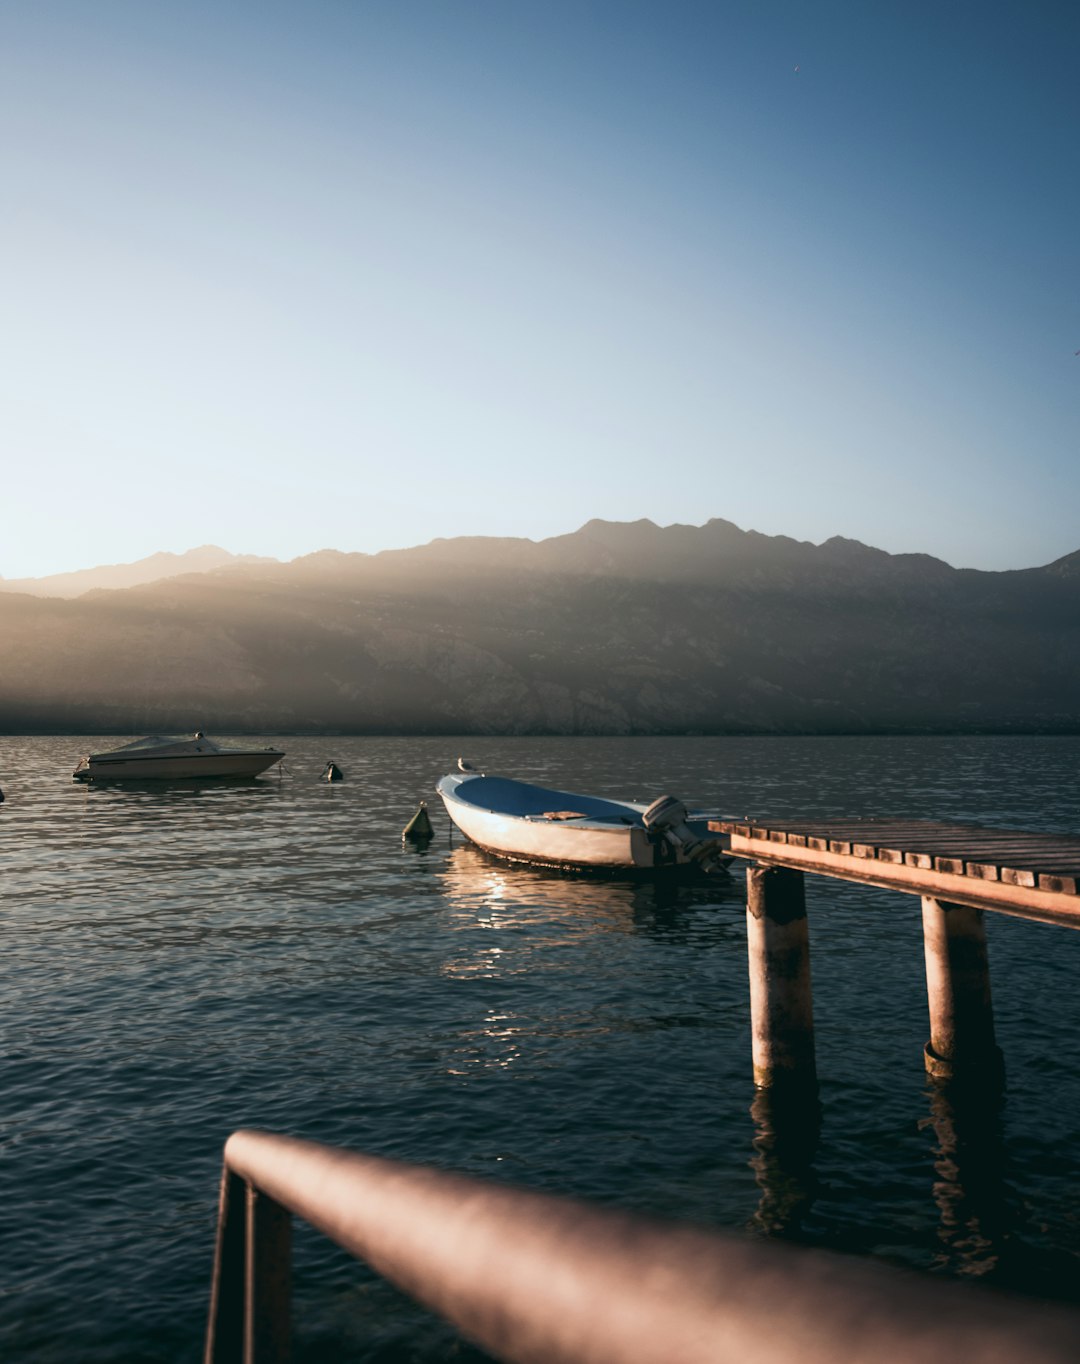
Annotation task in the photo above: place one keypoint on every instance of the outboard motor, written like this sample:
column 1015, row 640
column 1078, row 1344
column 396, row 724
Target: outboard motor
column 666, row 818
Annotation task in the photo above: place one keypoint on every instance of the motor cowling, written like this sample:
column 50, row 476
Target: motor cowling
column 666, row 817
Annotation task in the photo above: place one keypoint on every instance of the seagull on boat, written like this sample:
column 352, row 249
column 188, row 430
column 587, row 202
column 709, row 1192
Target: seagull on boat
column 464, row 765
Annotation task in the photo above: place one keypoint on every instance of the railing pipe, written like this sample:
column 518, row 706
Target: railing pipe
column 249, row 1319
column 537, row 1279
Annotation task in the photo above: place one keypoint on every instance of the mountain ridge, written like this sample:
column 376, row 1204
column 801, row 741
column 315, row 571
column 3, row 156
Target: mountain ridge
column 154, row 568
column 598, row 543
column 620, row 628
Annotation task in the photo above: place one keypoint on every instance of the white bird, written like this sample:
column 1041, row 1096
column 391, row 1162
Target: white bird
column 464, row 765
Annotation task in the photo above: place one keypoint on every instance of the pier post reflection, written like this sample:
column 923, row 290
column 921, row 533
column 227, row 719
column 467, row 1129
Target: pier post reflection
column 976, row 1211
column 787, row 1125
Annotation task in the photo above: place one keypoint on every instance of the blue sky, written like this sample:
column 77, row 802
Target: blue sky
column 357, row 274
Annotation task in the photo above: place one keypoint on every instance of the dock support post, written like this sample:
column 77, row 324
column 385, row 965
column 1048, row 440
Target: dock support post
column 781, row 1006
column 962, row 1044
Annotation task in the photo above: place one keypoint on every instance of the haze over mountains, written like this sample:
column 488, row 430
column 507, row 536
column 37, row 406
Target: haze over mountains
column 151, row 570
column 615, row 628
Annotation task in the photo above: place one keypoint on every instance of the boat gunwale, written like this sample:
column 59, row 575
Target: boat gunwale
column 110, row 758
column 447, row 787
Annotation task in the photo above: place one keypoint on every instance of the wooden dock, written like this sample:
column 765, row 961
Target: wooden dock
column 1035, row 876
column 959, row 871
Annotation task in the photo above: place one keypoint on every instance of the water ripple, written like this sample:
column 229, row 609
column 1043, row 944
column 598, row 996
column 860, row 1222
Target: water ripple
column 185, row 961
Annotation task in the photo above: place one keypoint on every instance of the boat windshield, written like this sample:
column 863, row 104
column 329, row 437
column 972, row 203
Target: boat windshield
column 151, row 741
column 163, row 743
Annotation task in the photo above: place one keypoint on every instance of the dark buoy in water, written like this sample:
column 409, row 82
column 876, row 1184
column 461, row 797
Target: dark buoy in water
column 333, row 773
column 418, row 829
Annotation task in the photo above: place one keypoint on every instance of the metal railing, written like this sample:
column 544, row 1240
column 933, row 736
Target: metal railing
column 538, row 1279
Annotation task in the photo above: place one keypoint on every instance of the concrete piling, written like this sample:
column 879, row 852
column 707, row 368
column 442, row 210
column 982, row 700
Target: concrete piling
column 781, row 1007
column 962, row 1043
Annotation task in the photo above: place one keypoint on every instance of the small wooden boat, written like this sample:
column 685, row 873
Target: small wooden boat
column 166, row 759
column 524, row 823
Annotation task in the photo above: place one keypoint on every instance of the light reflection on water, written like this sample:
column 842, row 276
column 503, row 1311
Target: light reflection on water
column 181, row 961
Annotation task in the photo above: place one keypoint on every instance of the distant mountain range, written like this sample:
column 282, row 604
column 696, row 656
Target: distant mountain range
column 614, row 629
column 151, row 570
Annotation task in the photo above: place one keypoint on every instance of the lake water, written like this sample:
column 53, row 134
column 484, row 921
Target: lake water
column 182, row 962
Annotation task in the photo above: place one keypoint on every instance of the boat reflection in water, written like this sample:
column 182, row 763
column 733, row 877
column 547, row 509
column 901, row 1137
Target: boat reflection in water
column 534, row 946
column 480, row 889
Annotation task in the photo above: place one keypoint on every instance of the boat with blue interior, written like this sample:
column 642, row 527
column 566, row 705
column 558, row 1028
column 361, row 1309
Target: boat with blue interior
column 521, row 822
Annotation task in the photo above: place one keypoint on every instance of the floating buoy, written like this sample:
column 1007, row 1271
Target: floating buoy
column 419, row 828
column 333, row 773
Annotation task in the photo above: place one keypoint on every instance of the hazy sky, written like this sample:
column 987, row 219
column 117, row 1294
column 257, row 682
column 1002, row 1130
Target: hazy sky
column 358, row 273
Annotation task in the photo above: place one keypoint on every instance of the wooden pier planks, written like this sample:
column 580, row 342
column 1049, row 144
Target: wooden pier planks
column 1033, row 875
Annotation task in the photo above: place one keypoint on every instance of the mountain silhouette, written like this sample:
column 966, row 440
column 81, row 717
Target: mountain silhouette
column 152, row 569
column 618, row 628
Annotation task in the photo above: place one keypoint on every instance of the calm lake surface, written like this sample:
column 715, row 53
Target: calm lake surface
column 184, row 961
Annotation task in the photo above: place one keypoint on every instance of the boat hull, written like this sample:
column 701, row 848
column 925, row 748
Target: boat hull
column 182, row 767
column 571, row 844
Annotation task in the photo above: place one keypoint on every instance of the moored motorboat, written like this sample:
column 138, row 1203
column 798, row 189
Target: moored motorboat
column 525, row 823
column 158, row 758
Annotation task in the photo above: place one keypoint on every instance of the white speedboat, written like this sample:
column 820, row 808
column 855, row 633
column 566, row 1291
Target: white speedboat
column 167, row 759
column 525, row 823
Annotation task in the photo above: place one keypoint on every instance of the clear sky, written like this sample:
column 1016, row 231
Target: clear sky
column 358, row 273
